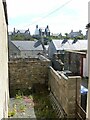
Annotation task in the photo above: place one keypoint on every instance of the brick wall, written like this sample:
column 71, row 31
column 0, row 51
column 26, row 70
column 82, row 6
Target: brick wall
column 24, row 73
column 66, row 90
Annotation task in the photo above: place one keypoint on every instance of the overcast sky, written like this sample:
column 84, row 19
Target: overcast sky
column 61, row 15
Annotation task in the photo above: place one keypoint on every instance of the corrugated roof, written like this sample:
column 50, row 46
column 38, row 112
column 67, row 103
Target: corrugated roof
column 70, row 45
column 28, row 45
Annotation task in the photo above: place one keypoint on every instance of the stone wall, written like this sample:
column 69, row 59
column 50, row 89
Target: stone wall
column 66, row 90
column 24, row 73
column 72, row 62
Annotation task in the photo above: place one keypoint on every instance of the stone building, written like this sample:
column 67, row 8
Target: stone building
column 73, row 34
column 58, row 46
column 4, row 94
column 42, row 31
column 25, row 49
column 74, row 48
column 25, row 33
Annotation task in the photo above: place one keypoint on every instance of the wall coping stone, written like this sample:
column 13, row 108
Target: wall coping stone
column 76, row 77
column 62, row 75
column 40, row 58
column 55, row 72
column 43, row 58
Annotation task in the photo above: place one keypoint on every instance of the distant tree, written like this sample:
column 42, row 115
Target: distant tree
column 21, row 37
column 80, row 37
column 66, row 36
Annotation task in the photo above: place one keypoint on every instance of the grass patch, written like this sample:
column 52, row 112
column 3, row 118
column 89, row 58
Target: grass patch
column 42, row 105
column 37, row 98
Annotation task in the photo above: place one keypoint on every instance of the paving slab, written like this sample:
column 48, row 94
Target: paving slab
column 23, row 107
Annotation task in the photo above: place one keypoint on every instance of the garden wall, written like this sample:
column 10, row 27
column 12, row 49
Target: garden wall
column 66, row 90
column 24, row 73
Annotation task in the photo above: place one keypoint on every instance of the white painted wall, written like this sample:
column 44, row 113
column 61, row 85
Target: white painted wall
column 3, row 65
column 37, row 31
column 88, row 98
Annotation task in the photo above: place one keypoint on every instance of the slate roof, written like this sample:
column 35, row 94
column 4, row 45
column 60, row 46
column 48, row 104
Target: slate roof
column 79, row 45
column 28, row 45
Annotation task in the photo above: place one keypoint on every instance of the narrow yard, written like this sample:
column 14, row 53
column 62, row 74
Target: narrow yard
column 33, row 105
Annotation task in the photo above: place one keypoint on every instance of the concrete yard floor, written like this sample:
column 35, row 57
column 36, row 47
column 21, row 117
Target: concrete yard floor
column 35, row 105
column 21, row 107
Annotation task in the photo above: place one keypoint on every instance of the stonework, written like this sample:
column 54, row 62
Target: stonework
column 23, row 74
column 71, row 62
column 66, row 90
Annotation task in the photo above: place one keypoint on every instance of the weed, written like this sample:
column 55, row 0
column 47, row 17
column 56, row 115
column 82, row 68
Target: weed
column 30, row 97
column 19, row 95
column 11, row 113
column 22, row 108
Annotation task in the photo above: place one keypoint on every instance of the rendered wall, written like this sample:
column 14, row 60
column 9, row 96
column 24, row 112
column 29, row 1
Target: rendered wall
column 3, row 65
column 88, row 98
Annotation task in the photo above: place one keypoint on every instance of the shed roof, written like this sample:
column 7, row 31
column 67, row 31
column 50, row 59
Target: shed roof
column 70, row 44
column 28, row 45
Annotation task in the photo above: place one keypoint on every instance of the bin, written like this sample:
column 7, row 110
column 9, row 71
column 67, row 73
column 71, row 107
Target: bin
column 84, row 92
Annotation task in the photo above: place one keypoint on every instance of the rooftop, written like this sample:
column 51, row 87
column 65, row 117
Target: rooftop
column 28, row 45
column 71, row 44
